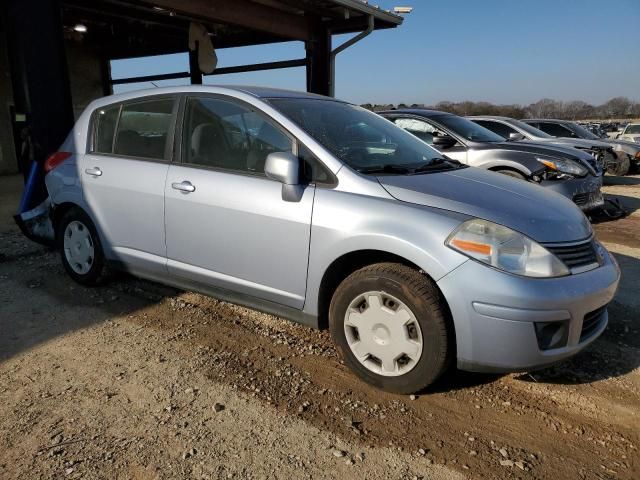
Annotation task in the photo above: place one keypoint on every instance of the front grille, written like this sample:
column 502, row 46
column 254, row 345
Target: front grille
column 581, row 199
column 575, row 256
column 592, row 322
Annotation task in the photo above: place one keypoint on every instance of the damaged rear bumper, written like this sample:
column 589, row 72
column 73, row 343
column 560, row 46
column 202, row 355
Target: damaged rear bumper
column 36, row 224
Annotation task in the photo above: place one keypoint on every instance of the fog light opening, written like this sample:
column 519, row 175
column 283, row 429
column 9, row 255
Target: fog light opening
column 552, row 335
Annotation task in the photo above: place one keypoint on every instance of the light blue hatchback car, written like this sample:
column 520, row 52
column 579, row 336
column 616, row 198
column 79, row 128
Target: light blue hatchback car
column 324, row 213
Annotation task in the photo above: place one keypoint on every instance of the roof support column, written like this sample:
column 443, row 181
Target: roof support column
column 319, row 61
column 39, row 74
column 194, row 67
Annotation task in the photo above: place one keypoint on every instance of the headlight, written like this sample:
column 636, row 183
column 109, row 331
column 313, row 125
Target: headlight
column 564, row 165
column 504, row 249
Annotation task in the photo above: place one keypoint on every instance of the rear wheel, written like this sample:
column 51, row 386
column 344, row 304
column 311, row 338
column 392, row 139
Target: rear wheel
column 80, row 247
column 390, row 325
column 511, row 173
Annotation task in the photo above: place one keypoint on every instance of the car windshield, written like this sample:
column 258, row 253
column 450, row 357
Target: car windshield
column 529, row 129
column 633, row 128
column 363, row 140
column 467, row 129
column 583, row 132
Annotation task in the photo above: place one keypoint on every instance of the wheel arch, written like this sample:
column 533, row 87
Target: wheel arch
column 344, row 266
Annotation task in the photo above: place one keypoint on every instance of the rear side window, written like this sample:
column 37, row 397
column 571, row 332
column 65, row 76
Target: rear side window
column 143, row 129
column 105, row 120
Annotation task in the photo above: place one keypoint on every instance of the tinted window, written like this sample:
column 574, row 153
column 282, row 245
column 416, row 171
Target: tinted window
column 632, row 129
column 497, row 127
column 467, row 129
column 555, row 130
column 143, row 129
column 223, row 134
column 104, row 121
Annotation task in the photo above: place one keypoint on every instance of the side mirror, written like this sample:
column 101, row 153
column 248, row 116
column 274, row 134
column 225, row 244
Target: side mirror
column 444, row 141
column 284, row 167
column 515, row 136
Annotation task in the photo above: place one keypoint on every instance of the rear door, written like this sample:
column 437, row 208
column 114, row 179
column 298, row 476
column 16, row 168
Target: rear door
column 123, row 177
column 226, row 222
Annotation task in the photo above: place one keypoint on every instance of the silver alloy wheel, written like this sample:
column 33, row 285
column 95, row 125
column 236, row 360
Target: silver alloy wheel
column 383, row 334
column 78, row 247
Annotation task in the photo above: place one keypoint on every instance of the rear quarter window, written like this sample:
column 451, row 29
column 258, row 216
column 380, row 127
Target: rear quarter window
column 104, row 121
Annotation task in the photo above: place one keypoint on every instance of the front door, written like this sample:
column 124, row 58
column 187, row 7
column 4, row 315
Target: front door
column 226, row 223
column 123, row 178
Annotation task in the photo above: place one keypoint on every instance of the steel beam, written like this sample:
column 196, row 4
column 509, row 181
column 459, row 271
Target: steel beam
column 243, row 13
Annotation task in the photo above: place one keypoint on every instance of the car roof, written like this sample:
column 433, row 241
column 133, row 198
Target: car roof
column 554, row 120
column 489, row 117
column 255, row 91
column 422, row 112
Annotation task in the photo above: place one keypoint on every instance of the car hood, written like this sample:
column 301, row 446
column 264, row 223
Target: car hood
column 575, row 142
column 626, row 144
column 539, row 213
column 543, row 148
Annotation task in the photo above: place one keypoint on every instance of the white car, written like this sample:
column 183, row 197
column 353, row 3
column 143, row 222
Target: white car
column 631, row 133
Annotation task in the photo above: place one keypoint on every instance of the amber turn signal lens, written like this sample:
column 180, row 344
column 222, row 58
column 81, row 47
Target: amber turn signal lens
column 475, row 247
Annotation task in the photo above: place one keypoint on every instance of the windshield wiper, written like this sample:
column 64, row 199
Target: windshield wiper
column 438, row 164
column 400, row 169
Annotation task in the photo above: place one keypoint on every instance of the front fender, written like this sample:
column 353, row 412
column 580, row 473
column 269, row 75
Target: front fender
column 524, row 163
column 413, row 232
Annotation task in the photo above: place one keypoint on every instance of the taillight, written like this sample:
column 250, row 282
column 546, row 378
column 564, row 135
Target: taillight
column 54, row 160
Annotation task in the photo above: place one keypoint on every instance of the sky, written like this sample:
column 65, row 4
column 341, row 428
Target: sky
column 501, row 51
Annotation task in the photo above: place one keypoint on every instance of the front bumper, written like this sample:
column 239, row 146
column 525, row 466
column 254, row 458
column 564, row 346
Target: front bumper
column 584, row 192
column 494, row 314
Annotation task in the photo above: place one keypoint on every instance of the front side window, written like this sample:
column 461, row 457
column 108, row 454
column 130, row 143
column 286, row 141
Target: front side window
column 143, row 129
column 497, row 127
column 223, row 134
column 423, row 130
column 363, row 140
column 632, row 129
column 555, row 130
column 104, row 121
column 467, row 129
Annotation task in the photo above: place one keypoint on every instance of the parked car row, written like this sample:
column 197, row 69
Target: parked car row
column 572, row 173
column 325, row 213
column 627, row 152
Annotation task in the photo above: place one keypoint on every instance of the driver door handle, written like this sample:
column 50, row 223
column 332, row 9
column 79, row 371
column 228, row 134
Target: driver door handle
column 94, row 172
column 184, row 186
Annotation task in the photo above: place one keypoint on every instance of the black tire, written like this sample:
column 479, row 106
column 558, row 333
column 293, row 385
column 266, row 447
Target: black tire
column 511, row 173
column 94, row 275
column 420, row 295
column 621, row 167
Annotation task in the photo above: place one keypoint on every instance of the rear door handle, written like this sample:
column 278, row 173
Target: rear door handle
column 94, row 172
column 184, row 186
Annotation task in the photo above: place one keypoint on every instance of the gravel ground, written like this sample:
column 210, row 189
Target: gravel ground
column 136, row 380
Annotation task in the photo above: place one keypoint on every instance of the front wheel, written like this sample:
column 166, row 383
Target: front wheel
column 620, row 167
column 80, row 247
column 391, row 327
